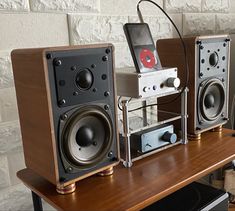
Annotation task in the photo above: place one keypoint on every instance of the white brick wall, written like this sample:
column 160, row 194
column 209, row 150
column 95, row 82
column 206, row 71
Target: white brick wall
column 65, row 5
column 215, row 5
column 37, row 23
column 6, row 76
column 174, row 6
column 14, row 5
column 195, row 24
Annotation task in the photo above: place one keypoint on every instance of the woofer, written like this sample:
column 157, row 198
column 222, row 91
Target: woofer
column 211, row 99
column 87, row 136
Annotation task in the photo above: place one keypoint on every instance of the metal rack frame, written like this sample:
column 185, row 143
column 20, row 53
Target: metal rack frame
column 127, row 132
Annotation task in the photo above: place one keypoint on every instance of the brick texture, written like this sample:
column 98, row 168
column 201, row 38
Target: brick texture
column 8, row 105
column 128, row 7
column 4, row 173
column 198, row 24
column 14, row 5
column 93, row 29
column 225, row 23
column 215, row 6
column 10, row 137
column 6, row 76
column 174, row 6
column 33, row 30
column 65, row 5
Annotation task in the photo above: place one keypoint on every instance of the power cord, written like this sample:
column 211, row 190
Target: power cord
column 185, row 57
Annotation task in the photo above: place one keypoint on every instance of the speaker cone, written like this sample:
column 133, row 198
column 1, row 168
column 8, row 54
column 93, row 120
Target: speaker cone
column 87, row 136
column 211, row 99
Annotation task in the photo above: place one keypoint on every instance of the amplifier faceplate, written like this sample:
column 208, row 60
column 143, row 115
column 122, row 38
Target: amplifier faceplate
column 142, row 85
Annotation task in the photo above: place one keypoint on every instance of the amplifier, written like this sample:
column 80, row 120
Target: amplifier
column 153, row 138
column 148, row 84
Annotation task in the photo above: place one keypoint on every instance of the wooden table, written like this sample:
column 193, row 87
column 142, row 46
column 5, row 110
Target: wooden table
column 148, row 181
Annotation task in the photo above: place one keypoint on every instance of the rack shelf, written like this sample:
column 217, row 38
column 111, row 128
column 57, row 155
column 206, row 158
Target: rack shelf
column 144, row 118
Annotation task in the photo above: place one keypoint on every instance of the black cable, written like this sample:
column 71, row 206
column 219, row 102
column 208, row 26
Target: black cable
column 185, row 56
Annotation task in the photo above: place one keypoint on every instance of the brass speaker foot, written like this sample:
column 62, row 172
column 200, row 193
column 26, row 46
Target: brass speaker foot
column 217, row 129
column 194, row 137
column 66, row 189
column 106, row 172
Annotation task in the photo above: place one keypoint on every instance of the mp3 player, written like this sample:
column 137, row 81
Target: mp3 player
column 142, row 47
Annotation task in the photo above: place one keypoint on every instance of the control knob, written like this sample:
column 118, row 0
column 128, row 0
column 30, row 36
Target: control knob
column 169, row 137
column 173, row 82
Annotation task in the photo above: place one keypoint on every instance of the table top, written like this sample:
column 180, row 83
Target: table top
column 146, row 182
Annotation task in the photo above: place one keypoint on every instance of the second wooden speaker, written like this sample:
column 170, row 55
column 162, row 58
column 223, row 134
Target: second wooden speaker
column 208, row 58
column 67, row 106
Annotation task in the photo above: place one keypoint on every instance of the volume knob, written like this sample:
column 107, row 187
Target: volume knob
column 169, row 137
column 173, row 82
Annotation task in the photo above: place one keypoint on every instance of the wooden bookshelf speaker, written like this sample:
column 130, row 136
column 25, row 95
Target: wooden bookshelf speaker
column 208, row 58
column 67, row 106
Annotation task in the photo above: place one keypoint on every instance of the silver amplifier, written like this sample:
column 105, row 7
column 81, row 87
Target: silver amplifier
column 142, row 85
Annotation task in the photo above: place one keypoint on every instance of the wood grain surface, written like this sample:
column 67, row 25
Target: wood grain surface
column 148, row 181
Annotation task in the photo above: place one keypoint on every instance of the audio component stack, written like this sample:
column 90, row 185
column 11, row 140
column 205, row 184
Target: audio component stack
column 67, row 107
column 146, row 130
column 208, row 58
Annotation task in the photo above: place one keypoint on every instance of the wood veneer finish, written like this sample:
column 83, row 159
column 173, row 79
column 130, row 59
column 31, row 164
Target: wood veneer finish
column 35, row 110
column 148, row 181
column 171, row 54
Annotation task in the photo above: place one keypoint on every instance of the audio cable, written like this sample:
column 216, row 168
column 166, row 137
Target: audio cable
column 185, row 57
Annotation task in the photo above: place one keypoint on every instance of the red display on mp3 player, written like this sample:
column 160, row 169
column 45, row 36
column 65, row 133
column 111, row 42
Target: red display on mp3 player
column 147, row 58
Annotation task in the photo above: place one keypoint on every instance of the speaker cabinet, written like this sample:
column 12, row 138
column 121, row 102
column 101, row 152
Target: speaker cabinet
column 208, row 58
column 67, row 105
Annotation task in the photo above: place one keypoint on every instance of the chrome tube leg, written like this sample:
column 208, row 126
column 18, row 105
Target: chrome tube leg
column 184, row 115
column 126, row 133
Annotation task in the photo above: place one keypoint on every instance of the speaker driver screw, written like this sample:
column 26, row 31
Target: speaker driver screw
column 200, row 122
column 106, row 107
column 106, row 94
column 75, row 94
column 69, row 169
column 95, row 90
column 201, row 47
column 64, row 117
column 73, row 68
column 201, row 74
column 107, row 51
column 49, row 56
column 223, row 80
column 110, row 154
column 62, row 102
column 105, row 58
column 199, row 42
column 57, row 62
